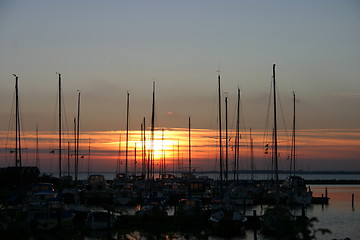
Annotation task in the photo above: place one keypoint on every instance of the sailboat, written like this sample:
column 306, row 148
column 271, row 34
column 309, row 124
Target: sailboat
column 277, row 220
column 123, row 192
column 14, row 180
column 294, row 186
column 224, row 216
column 241, row 192
column 273, row 194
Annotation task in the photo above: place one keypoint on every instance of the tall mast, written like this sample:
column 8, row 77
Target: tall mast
column 178, row 155
column 292, row 155
column 252, row 155
column 143, row 151
column 237, row 138
column 226, row 137
column 173, row 153
column 162, row 165
column 17, row 124
column 164, row 151
column 89, row 163
column 75, row 148
column 152, row 131
column 144, row 146
column 189, row 148
column 68, row 159
column 37, row 148
column 127, row 135
column 275, row 134
column 118, row 163
column 135, row 161
column 77, row 140
column 220, row 140
column 60, row 140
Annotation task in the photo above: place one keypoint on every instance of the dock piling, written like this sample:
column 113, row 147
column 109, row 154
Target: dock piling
column 326, row 192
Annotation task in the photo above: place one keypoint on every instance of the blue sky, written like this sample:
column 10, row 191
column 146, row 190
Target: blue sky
column 106, row 48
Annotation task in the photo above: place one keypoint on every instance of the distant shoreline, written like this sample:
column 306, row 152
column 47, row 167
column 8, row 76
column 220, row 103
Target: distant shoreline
column 328, row 172
column 300, row 172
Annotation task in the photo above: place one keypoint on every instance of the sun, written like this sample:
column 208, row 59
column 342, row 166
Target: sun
column 161, row 148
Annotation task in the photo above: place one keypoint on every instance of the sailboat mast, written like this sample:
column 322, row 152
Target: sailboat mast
column 37, row 148
column 77, row 140
column 178, row 155
column 237, row 138
column 89, row 163
column 75, row 148
column 226, row 142
column 135, row 161
column 60, row 124
column 162, row 165
column 292, row 155
column 118, row 163
column 173, row 153
column 189, row 147
column 68, row 168
column 220, row 140
column 152, row 165
column 275, row 132
column 144, row 147
column 127, row 135
column 252, row 155
column 17, row 124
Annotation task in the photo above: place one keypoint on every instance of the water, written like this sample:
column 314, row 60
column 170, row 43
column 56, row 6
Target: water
column 338, row 216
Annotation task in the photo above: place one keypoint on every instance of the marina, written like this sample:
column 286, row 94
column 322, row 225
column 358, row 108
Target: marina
column 50, row 209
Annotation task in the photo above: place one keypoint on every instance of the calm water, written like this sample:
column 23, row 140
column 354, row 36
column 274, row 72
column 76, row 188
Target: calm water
column 338, row 216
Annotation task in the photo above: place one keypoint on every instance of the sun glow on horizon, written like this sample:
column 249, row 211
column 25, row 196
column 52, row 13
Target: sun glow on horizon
column 104, row 149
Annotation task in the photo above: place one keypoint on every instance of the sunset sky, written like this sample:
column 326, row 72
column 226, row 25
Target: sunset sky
column 105, row 49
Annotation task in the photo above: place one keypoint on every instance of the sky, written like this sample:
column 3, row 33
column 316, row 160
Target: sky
column 105, row 49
